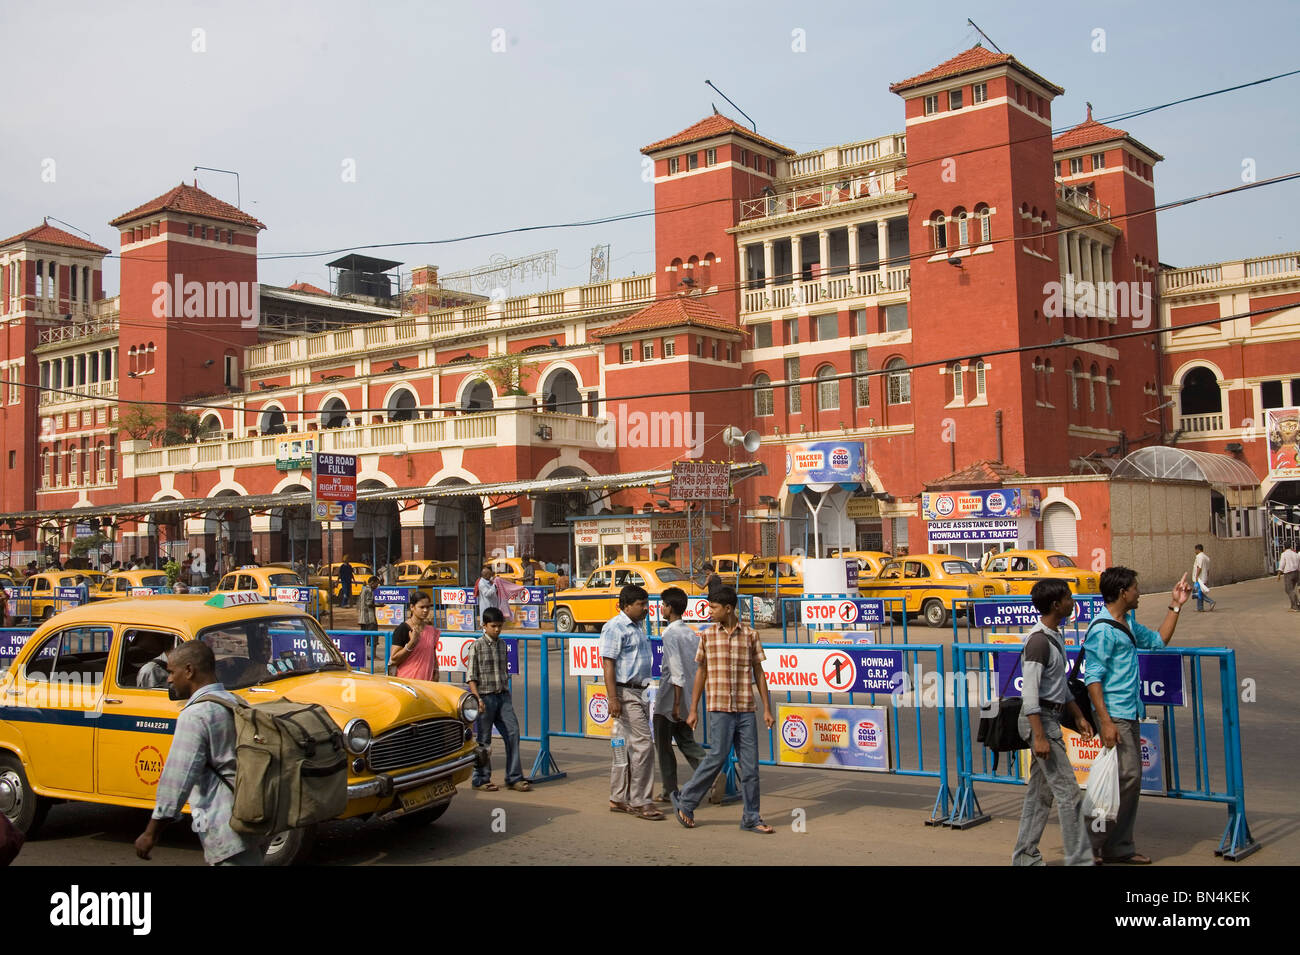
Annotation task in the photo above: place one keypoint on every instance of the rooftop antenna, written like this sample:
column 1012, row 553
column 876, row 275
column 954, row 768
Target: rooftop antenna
column 229, row 172
column 48, row 219
column 738, row 109
column 983, row 34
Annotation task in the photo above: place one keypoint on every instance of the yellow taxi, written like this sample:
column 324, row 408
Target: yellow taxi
column 512, row 569
column 440, row 573
column 763, row 575
column 869, row 561
column 596, row 601
column 265, row 580
column 102, row 736
column 327, row 578
column 120, row 583
column 729, row 565
column 1021, row 569
column 43, row 589
column 930, row 583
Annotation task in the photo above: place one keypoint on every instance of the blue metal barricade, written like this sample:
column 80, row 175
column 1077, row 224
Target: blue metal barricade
column 985, row 617
column 697, row 611
column 12, row 639
column 1165, row 688
column 825, row 618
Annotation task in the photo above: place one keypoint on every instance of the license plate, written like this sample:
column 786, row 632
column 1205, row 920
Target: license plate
column 424, row 795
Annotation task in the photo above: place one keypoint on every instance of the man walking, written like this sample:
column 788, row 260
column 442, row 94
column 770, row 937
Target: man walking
column 1114, row 686
column 345, row 582
column 676, row 680
column 1201, row 580
column 485, row 592
column 1288, row 568
column 488, row 674
column 626, row 660
column 1046, row 701
column 730, row 661
column 200, row 767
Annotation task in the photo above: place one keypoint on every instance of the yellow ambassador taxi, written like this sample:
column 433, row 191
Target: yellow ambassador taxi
column 763, row 575
column 596, row 601
column 264, row 580
column 512, row 569
column 43, row 587
column 85, row 714
column 869, row 561
column 120, row 583
column 930, row 583
column 1021, row 569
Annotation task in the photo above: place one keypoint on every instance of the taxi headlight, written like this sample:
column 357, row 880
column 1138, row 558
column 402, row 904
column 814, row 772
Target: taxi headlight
column 469, row 708
column 356, row 736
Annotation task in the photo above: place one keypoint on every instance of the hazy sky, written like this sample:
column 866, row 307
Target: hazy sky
column 450, row 138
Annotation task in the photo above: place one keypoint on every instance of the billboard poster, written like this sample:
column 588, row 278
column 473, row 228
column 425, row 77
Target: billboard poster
column 833, row 737
column 334, row 487
column 982, row 505
column 826, row 462
column 1283, row 442
column 295, row 454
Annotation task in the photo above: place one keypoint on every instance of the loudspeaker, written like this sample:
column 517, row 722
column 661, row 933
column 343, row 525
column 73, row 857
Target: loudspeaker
column 751, row 441
column 732, row 436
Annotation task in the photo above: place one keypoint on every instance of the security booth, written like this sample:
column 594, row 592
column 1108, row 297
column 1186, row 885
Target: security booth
column 966, row 524
column 677, row 537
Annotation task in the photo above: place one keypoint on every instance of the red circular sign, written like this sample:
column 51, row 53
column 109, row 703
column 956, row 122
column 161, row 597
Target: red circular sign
column 839, row 672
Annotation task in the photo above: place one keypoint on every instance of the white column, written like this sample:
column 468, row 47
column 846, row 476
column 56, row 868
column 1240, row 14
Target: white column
column 1102, row 306
column 1063, row 255
column 853, row 249
column 1108, row 276
column 796, row 258
column 882, row 243
column 824, row 250
column 767, row 263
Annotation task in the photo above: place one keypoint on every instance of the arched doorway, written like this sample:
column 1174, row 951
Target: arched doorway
column 401, row 406
column 478, row 397
column 459, row 532
column 1200, row 402
column 560, row 392
column 230, row 531
column 376, row 536
column 272, row 422
column 551, row 527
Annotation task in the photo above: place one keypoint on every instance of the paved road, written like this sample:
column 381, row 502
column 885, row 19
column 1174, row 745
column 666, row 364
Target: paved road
column 848, row 818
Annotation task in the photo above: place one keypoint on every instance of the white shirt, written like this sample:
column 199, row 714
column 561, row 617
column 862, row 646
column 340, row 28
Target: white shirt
column 1201, row 569
column 1289, row 562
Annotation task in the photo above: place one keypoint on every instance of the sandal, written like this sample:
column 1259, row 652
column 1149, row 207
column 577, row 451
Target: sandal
column 761, row 827
column 520, row 786
column 1136, row 858
column 487, row 787
column 647, row 812
column 620, row 807
column 686, row 819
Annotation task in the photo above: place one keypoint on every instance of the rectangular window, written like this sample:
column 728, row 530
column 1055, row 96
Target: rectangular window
column 672, row 166
column 1270, row 393
column 1076, row 165
column 792, row 331
column 699, row 348
column 13, row 460
column 230, row 237
column 714, row 350
column 647, row 351
column 858, row 321
column 1098, row 160
column 627, row 354
column 954, row 99
column 958, row 384
column 979, row 93
column 986, row 227
column 729, row 353
column 826, row 327
column 792, row 374
column 763, row 335
column 692, row 160
column 899, row 529
column 862, row 384
column 931, row 105
column 670, row 348
column 771, row 167
column 232, row 371
column 895, row 317
column 189, row 229
column 710, row 157
column 744, row 157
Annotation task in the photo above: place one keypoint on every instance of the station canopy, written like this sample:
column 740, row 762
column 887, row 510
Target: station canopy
column 263, row 502
column 1163, row 463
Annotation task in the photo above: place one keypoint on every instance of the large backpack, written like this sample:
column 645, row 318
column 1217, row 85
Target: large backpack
column 291, row 766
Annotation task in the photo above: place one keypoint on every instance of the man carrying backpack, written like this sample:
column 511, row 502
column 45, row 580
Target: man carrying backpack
column 1110, row 668
column 203, row 746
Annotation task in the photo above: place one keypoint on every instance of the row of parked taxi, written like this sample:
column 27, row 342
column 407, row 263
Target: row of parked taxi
column 928, row 584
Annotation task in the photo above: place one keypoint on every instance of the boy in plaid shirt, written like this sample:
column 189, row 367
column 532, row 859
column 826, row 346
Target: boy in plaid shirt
column 730, row 661
column 488, row 675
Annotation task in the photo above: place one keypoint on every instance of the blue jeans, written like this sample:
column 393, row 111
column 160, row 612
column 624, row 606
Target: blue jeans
column 727, row 730
column 1202, row 595
column 499, row 711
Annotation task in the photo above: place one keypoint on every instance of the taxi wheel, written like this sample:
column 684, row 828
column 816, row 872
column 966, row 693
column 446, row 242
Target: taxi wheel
column 25, row 809
column 564, row 620
column 414, row 820
column 291, row 847
column 935, row 613
column 49, row 612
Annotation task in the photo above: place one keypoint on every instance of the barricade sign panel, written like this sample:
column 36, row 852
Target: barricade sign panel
column 461, row 618
column 584, row 657
column 1082, row 752
column 142, row 592
column 833, row 737
column 697, row 609
column 1161, row 674
column 843, row 612
column 69, row 597
column 11, row 641
column 353, row 648
column 1020, row 611
column 453, row 652
column 845, row 637
column 391, row 604
column 455, row 597
column 297, row 596
column 351, row 645
column 596, row 718
column 833, row 670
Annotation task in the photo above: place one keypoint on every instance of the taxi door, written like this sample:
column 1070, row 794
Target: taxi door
column 56, row 700
column 753, row 578
column 135, row 731
column 598, row 601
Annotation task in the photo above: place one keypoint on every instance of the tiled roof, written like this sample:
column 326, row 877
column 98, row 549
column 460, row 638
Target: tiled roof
column 191, row 200
column 1090, row 131
column 306, row 287
column 968, row 61
column 669, row 313
column 980, row 474
column 49, row 235
column 714, row 125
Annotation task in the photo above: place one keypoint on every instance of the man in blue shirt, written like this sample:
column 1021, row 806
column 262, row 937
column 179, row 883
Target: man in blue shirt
column 625, row 657
column 1114, row 687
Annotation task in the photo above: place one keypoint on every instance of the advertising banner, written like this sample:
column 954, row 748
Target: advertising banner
column 295, row 454
column 1082, row 753
column 1283, row 442
column 596, row 718
column 833, row 737
column 334, row 487
column 825, row 462
column 846, row 637
column 848, row 670
column 462, row 618
column 390, row 605
column 988, row 504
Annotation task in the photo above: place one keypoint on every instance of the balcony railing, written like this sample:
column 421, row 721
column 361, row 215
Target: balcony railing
column 76, row 331
column 1199, row 423
column 849, row 154
column 1241, row 271
column 820, row 197
column 104, row 477
column 1083, row 201
column 99, row 389
column 828, row 289
column 505, row 427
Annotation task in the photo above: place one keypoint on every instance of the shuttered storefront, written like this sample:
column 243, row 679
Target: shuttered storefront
column 1059, row 529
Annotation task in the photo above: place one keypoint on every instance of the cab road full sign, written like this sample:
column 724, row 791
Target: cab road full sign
column 334, row 487
column 833, row 737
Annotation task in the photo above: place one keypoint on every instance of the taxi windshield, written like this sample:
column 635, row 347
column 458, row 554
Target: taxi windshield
column 670, row 575
column 154, row 580
column 1060, row 560
column 957, row 567
column 266, row 649
column 284, row 580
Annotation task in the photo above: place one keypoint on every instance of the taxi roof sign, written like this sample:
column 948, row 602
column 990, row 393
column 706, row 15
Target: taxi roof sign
column 235, row 599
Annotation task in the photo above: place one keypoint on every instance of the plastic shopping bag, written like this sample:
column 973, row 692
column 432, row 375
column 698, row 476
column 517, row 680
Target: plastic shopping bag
column 1102, row 795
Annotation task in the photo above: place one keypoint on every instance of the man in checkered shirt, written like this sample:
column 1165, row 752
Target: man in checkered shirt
column 730, row 661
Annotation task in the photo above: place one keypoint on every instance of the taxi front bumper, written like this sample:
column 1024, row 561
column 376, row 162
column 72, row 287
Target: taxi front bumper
column 386, row 784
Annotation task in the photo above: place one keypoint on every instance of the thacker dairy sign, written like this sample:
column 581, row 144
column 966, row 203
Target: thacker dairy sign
column 826, row 462
column 990, row 504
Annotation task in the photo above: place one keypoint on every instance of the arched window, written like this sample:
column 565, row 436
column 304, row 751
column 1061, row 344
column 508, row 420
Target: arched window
column 1047, row 381
column 46, row 459
column 477, row 397
column 706, row 272
column 957, row 390
column 940, row 226
column 979, row 379
column 209, row 428
column 828, row 389
column 1076, row 372
column 1093, row 375
column 985, row 222
column 963, row 227
column 1040, row 380
column 560, row 393
column 898, row 382
column 272, row 421
column 334, row 414
column 1200, row 393
column 1110, row 401
column 101, row 458
column 401, row 406
column 763, row 402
